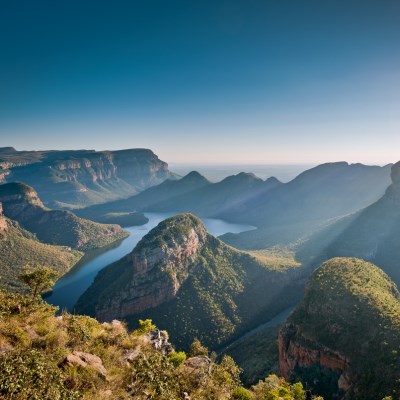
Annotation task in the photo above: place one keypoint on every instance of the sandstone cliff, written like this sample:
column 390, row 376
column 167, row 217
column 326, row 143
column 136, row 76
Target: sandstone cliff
column 80, row 178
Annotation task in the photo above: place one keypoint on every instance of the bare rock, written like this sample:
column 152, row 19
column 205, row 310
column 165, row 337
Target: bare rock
column 84, row 360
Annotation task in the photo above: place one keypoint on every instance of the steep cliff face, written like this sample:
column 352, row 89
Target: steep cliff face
column 158, row 269
column 183, row 278
column 3, row 223
column 393, row 192
column 342, row 339
column 21, row 203
column 80, row 178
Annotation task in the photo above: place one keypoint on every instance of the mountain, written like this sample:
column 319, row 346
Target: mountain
column 72, row 357
column 283, row 213
column 301, row 206
column 149, row 199
column 343, row 338
column 18, row 248
column 21, row 203
column 76, row 178
column 191, row 283
column 192, row 193
column 372, row 234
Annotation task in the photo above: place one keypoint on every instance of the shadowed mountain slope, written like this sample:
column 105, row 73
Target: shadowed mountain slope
column 21, row 203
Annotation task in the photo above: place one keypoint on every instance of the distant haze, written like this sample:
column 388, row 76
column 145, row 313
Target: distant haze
column 216, row 173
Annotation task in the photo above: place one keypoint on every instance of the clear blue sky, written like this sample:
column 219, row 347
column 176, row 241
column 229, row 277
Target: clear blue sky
column 204, row 81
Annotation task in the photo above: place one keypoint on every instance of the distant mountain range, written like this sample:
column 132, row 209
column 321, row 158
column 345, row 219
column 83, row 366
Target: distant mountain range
column 76, row 178
column 282, row 212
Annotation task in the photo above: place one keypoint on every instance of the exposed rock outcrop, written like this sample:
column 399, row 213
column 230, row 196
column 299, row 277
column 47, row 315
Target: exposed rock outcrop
column 158, row 269
column 160, row 341
column 3, row 222
column 84, row 360
column 293, row 353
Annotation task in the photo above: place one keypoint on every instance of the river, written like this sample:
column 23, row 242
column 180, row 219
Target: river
column 71, row 286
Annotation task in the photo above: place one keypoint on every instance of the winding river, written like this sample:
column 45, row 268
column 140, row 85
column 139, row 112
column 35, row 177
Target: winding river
column 71, row 286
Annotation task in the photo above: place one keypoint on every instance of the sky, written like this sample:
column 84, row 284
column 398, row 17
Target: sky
column 204, row 81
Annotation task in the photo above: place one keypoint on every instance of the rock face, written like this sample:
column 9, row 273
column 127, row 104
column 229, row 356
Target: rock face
column 3, row 222
column 158, row 269
column 190, row 283
column 160, row 341
column 393, row 192
column 21, row 203
column 84, row 360
column 340, row 339
column 293, row 354
column 84, row 177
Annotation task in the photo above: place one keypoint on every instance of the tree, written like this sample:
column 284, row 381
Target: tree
column 39, row 279
column 197, row 349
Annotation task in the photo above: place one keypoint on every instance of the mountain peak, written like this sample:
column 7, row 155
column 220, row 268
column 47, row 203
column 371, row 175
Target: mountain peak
column 19, row 192
column 7, row 150
column 194, row 177
column 182, row 229
column 242, row 177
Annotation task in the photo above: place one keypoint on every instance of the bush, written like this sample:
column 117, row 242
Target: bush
column 177, row 358
column 28, row 375
column 241, row 394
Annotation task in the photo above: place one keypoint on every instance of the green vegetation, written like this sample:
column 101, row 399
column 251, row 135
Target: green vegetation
column 257, row 355
column 48, row 357
column 39, row 279
column 352, row 308
column 21, row 203
column 19, row 248
column 220, row 292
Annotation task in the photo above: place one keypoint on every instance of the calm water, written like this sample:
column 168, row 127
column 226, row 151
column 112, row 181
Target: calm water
column 71, row 286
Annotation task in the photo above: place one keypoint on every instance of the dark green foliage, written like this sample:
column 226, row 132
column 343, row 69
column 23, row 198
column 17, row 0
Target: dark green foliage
column 19, row 248
column 27, row 374
column 39, row 279
column 21, row 203
column 257, row 354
